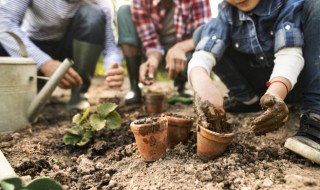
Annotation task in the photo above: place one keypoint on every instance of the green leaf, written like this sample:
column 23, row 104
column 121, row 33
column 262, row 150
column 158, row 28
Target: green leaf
column 104, row 109
column 113, row 121
column 44, row 183
column 11, row 183
column 87, row 136
column 70, row 139
column 76, row 130
column 76, row 118
column 85, row 114
column 96, row 122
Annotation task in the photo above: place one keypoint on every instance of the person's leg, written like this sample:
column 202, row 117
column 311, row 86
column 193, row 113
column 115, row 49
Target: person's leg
column 307, row 140
column 84, row 42
column 246, row 84
column 131, row 48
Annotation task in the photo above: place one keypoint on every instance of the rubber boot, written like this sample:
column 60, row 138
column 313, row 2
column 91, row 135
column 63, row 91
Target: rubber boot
column 180, row 86
column 134, row 96
column 85, row 56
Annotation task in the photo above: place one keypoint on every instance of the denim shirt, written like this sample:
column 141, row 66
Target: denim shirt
column 272, row 25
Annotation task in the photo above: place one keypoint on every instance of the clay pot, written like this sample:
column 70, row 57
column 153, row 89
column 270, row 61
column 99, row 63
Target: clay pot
column 211, row 145
column 178, row 128
column 151, row 137
column 155, row 102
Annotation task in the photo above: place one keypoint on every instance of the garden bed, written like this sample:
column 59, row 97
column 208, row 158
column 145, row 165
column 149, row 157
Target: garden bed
column 112, row 160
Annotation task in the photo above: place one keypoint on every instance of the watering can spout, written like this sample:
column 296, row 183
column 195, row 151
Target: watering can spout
column 39, row 101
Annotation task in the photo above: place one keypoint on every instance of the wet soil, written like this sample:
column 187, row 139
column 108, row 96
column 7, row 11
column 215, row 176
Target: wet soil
column 112, row 160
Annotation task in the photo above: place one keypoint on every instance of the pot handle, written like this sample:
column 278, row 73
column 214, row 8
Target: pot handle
column 19, row 41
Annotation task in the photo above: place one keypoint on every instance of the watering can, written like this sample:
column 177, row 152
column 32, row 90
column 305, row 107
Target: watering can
column 19, row 101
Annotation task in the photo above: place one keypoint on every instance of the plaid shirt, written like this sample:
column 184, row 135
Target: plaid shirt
column 148, row 17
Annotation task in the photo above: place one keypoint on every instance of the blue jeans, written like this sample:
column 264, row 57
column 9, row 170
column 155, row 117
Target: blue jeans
column 244, row 80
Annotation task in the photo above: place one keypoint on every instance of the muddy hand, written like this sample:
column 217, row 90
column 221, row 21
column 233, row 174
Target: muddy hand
column 274, row 117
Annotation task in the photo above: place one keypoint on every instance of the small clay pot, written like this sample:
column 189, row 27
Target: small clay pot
column 178, row 128
column 155, row 102
column 151, row 137
column 211, row 145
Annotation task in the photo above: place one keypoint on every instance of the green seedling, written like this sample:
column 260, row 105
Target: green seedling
column 85, row 127
column 15, row 183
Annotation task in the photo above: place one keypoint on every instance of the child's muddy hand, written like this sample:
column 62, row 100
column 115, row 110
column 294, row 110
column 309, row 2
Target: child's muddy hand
column 274, row 117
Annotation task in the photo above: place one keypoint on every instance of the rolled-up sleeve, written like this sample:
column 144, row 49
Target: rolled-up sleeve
column 288, row 26
column 215, row 36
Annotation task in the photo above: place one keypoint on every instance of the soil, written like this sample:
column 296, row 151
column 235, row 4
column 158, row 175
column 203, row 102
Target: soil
column 112, row 160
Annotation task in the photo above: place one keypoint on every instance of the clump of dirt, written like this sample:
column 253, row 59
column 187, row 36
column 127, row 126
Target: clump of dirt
column 210, row 117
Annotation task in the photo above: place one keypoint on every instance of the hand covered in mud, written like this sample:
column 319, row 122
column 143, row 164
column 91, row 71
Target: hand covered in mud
column 209, row 116
column 274, row 117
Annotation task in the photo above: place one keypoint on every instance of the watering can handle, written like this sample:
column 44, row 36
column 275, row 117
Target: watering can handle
column 19, row 41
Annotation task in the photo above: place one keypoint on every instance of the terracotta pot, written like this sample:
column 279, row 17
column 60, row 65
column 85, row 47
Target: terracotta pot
column 211, row 145
column 178, row 129
column 151, row 137
column 155, row 103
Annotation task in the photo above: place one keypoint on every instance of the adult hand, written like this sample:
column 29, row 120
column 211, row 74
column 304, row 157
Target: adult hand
column 114, row 76
column 175, row 61
column 274, row 117
column 69, row 80
column 148, row 70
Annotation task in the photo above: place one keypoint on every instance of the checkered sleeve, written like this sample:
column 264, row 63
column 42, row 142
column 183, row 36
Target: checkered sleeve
column 141, row 12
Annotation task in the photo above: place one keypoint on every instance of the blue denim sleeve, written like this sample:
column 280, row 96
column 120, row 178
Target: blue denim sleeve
column 288, row 26
column 215, row 36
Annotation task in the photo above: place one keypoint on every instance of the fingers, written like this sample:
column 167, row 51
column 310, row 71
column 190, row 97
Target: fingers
column 74, row 76
column 175, row 67
column 70, row 79
column 269, row 128
column 146, row 73
column 267, row 100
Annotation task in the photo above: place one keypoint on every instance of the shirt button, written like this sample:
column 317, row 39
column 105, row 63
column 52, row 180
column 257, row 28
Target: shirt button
column 271, row 33
column 287, row 27
column 236, row 45
column 213, row 37
column 261, row 58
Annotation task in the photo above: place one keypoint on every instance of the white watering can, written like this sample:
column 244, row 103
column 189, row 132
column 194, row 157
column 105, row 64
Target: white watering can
column 19, row 101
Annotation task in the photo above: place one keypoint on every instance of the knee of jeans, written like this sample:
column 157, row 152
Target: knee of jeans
column 91, row 16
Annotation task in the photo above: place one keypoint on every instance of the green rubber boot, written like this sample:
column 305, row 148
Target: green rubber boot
column 85, row 56
column 134, row 95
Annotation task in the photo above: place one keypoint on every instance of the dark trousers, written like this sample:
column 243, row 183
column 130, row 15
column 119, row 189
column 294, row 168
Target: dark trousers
column 87, row 25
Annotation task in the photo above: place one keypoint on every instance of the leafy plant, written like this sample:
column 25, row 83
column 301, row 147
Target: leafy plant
column 15, row 183
column 84, row 128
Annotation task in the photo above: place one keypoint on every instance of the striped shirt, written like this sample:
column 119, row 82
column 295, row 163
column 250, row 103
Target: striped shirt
column 47, row 20
column 148, row 16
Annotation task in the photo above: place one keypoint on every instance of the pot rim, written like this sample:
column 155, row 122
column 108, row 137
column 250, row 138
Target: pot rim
column 219, row 137
column 160, row 120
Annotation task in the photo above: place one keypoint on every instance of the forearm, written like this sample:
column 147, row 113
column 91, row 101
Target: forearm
column 186, row 45
column 154, row 57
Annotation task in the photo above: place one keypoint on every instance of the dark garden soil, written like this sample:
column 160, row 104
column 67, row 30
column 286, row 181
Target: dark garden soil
column 112, row 160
